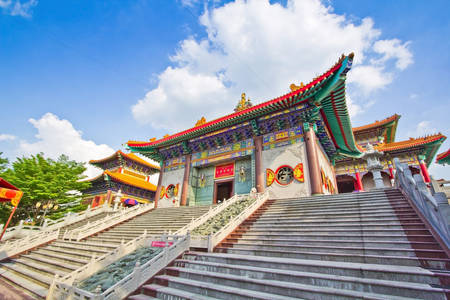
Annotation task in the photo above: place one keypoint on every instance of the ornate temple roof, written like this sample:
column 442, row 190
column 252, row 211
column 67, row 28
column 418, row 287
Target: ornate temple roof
column 431, row 144
column 327, row 90
column 131, row 156
column 390, row 124
column 126, row 179
column 443, row 158
column 131, row 180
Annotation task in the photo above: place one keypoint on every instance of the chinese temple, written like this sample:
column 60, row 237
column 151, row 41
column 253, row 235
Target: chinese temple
column 352, row 174
column 299, row 144
column 124, row 172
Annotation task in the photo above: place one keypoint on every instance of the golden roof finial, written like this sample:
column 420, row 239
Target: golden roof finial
column 200, row 122
column 166, row 135
column 243, row 103
column 152, row 139
column 296, row 87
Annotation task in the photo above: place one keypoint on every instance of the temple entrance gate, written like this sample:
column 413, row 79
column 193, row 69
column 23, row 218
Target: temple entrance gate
column 223, row 190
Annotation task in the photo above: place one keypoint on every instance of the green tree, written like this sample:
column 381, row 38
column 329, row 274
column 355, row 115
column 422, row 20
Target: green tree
column 46, row 180
column 3, row 163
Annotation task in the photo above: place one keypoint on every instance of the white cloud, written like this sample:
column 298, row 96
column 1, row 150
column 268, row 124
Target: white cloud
column 423, row 128
column 394, row 49
column 7, row 137
column 57, row 136
column 18, row 8
column 413, row 96
column 369, row 78
column 261, row 48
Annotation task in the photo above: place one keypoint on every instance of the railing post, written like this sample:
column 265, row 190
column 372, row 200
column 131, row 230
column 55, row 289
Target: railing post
column 137, row 275
column 210, row 243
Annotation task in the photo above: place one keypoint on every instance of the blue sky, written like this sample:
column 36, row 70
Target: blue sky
column 83, row 77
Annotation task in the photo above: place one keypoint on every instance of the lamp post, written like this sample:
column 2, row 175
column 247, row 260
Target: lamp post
column 48, row 206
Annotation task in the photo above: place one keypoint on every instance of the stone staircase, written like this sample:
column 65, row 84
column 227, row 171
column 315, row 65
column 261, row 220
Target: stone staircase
column 368, row 245
column 33, row 272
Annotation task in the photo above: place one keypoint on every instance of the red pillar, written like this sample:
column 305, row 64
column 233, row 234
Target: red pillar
column 185, row 187
column 313, row 162
column 359, row 182
column 259, row 175
column 424, row 169
column 158, row 188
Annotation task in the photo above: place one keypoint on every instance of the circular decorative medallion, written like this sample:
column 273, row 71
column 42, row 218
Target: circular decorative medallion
column 284, row 175
column 170, row 192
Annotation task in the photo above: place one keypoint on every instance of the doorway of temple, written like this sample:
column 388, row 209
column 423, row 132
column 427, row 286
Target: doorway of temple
column 345, row 184
column 223, row 190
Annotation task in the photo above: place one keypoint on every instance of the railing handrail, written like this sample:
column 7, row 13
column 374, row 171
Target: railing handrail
column 11, row 248
column 99, row 225
column 140, row 274
column 211, row 213
column 71, row 218
column 236, row 221
column 428, row 205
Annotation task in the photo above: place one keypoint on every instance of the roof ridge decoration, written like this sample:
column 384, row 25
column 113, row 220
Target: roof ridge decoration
column 325, row 92
column 130, row 156
column 243, row 103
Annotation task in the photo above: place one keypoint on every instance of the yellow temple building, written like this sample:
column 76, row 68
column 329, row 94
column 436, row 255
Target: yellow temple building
column 126, row 173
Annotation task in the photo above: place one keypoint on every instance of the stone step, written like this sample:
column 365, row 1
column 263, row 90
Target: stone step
column 361, row 284
column 38, row 267
column 213, row 290
column 68, row 253
column 377, row 205
column 337, row 231
column 86, row 245
column 338, row 218
column 76, row 250
column 364, row 226
column 45, row 261
column 361, row 213
column 394, row 221
column 204, row 280
column 36, row 277
column 145, row 297
column 167, row 292
column 302, row 284
column 24, row 284
column 62, row 258
column 337, row 236
column 435, row 263
column 338, row 268
column 365, row 250
column 347, row 202
column 335, row 242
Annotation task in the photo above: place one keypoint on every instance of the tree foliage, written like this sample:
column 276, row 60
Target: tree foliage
column 46, row 180
column 3, row 163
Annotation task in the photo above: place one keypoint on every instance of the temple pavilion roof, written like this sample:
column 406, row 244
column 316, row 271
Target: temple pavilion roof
column 326, row 91
column 125, row 179
column 443, row 158
column 388, row 125
column 430, row 143
column 119, row 154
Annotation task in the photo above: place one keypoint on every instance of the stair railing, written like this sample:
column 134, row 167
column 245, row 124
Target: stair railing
column 100, row 225
column 433, row 208
column 213, row 240
column 63, row 288
column 23, row 230
column 211, row 213
column 11, row 248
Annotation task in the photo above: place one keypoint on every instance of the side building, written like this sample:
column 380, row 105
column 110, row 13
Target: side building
column 124, row 172
column 352, row 174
